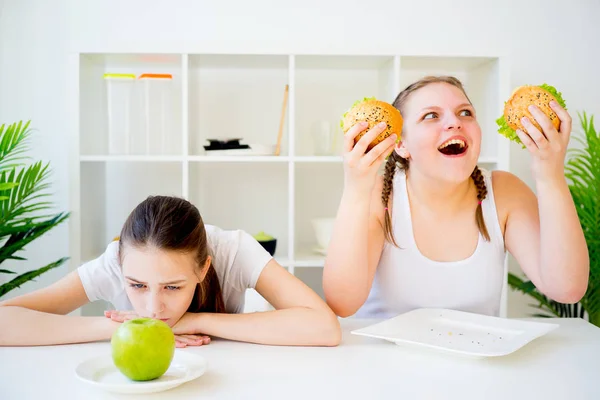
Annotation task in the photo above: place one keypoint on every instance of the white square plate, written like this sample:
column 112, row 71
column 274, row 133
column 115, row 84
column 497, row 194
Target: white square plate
column 458, row 332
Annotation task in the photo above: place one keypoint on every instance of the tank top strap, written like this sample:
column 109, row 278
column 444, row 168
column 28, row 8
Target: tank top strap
column 490, row 213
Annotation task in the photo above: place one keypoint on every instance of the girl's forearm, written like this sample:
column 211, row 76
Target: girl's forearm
column 25, row 327
column 346, row 272
column 289, row 327
column 564, row 259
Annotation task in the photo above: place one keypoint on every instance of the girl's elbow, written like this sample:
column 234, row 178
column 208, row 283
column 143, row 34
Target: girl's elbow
column 570, row 293
column 573, row 294
column 343, row 308
column 344, row 302
column 331, row 335
column 334, row 334
column 345, row 312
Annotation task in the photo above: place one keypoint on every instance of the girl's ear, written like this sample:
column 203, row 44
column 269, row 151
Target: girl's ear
column 205, row 268
column 402, row 151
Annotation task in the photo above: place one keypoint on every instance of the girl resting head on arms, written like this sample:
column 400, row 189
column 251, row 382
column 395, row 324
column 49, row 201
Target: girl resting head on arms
column 167, row 264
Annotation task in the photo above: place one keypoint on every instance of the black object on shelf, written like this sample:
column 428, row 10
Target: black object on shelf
column 269, row 245
column 228, row 144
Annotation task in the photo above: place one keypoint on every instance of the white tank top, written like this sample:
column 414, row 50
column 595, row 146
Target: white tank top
column 407, row 280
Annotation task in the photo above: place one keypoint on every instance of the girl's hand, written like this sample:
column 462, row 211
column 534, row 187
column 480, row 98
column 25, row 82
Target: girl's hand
column 360, row 167
column 182, row 339
column 187, row 326
column 191, row 340
column 550, row 147
column 121, row 316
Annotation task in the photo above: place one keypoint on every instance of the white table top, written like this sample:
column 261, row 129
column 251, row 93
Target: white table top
column 564, row 364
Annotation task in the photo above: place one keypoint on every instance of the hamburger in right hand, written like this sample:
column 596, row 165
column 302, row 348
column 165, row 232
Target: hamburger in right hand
column 516, row 107
column 373, row 111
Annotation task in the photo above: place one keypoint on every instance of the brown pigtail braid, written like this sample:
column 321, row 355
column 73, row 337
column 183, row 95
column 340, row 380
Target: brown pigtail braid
column 388, row 179
column 477, row 177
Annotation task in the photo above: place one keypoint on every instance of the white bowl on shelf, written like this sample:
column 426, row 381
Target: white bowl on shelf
column 323, row 228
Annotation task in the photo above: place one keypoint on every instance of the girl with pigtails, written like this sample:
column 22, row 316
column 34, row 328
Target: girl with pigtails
column 435, row 229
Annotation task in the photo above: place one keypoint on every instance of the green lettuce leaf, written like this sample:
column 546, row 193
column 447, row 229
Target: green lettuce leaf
column 556, row 94
column 510, row 133
column 355, row 103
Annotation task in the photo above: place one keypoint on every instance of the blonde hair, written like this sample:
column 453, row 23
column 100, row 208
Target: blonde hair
column 394, row 161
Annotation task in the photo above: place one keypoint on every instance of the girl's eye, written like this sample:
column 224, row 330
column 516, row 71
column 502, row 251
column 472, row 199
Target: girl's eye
column 428, row 115
column 466, row 113
column 137, row 285
column 172, row 287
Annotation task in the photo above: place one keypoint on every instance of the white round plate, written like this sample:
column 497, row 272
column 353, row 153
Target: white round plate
column 102, row 373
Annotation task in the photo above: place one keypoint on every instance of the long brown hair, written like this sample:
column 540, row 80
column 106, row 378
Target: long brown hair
column 171, row 223
column 395, row 161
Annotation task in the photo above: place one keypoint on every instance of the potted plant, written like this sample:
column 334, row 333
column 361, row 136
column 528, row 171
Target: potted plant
column 582, row 171
column 23, row 205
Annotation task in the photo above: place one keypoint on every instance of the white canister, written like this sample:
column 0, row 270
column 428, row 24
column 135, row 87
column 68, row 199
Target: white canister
column 157, row 113
column 121, row 112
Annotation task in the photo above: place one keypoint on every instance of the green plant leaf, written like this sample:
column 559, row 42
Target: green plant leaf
column 22, row 201
column 13, row 143
column 7, row 185
column 17, row 241
column 5, row 271
column 582, row 170
column 528, row 288
column 28, row 276
column 24, row 212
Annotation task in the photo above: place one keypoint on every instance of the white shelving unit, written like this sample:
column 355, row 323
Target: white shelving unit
column 240, row 96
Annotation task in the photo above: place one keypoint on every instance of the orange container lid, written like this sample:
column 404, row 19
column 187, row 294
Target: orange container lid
column 156, row 76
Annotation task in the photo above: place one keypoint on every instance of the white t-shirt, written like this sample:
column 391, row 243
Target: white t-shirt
column 237, row 258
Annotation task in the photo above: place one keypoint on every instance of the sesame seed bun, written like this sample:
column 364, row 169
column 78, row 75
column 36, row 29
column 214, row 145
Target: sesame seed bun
column 373, row 111
column 522, row 97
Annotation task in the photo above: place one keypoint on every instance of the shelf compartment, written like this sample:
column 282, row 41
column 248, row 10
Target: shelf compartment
column 94, row 109
column 251, row 197
column 109, row 193
column 318, row 192
column 339, row 82
column 237, row 96
column 313, row 277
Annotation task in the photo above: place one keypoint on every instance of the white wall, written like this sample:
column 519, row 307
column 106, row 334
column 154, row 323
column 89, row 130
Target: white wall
column 33, row 44
column 548, row 41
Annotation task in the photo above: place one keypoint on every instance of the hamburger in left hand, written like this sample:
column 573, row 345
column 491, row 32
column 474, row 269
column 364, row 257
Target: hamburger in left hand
column 516, row 107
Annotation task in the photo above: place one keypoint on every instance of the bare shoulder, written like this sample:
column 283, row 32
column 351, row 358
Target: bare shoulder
column 510, row 194
column 508, row 187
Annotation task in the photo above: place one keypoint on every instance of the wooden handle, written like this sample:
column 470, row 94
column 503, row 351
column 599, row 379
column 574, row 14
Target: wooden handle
column 280, row 134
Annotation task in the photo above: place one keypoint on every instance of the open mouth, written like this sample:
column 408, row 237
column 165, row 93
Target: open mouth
column 454, row 147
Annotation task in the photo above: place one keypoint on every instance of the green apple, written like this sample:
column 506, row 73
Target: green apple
column 143, row 348
column 263, row 237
